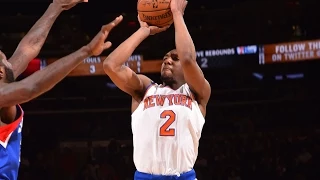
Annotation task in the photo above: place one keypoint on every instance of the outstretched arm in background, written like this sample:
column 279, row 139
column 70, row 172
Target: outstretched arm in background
column 43, row 80
column 187, row 54
column 123, row 77
column 31, row 44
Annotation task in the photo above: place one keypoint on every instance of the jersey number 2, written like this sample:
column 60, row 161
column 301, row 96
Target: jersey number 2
column 164, row 129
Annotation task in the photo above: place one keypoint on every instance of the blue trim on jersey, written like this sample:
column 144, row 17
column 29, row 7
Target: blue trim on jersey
column 152, row 83
column 190, row 175
column 148, row 87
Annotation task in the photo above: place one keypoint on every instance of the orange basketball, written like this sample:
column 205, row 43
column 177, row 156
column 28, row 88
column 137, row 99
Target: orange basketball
column 155, row 12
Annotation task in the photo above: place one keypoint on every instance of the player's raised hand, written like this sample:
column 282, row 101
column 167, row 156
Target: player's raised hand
column 153, row 29
column 68, row 4
column 178, row 6
column 98, row 44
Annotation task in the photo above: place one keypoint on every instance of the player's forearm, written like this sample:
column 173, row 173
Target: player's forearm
column 122, row 53
column 184, row 44
column 43, row 80
column 37, row 35
column 31, row 44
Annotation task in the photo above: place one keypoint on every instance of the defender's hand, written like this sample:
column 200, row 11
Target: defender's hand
column 68, row 4
column 98, row 44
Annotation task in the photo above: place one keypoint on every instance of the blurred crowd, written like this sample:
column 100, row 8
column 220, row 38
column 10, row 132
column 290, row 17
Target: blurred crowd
column 281, row 154
column 285, row 155
column 251, row 140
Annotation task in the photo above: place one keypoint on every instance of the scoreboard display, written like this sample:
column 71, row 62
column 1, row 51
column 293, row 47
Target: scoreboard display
column 90, row 66
column 93, row 66
column 237, row 56
column 291, row 52
column 240, row 56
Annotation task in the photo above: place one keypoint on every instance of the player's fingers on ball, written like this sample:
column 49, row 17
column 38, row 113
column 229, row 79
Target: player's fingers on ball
column 141, row 21
column 154, row 29
column 164, row 28
column 159, row 30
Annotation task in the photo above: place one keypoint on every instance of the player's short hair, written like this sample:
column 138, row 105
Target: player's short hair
column 9, row 75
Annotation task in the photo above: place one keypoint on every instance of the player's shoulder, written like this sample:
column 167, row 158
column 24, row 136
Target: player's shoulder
column 11, row 114
column 146, row 83
column 145, row 80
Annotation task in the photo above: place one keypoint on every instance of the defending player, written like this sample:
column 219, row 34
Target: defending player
column 28, row 49
column 13, row 93
column 167, row 119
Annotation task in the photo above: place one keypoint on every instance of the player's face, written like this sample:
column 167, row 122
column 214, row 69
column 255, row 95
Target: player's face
column 6, row 72
column 171, row 69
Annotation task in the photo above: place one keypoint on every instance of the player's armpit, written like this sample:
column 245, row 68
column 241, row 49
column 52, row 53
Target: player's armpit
column 127, row 80
column 15, row 93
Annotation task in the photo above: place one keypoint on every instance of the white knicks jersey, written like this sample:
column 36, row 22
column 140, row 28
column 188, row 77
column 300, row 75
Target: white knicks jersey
column 166, row 129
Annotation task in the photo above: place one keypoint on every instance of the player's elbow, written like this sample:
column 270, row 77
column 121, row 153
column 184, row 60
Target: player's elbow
column 26, row 51
column 109, row 66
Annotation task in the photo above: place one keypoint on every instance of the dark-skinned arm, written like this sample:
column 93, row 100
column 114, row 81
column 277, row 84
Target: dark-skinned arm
column 41, row 81
column 30, row 46
column 187, row 54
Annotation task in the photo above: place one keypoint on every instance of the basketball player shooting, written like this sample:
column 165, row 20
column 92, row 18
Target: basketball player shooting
column 167, row 119
column 13, row 93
